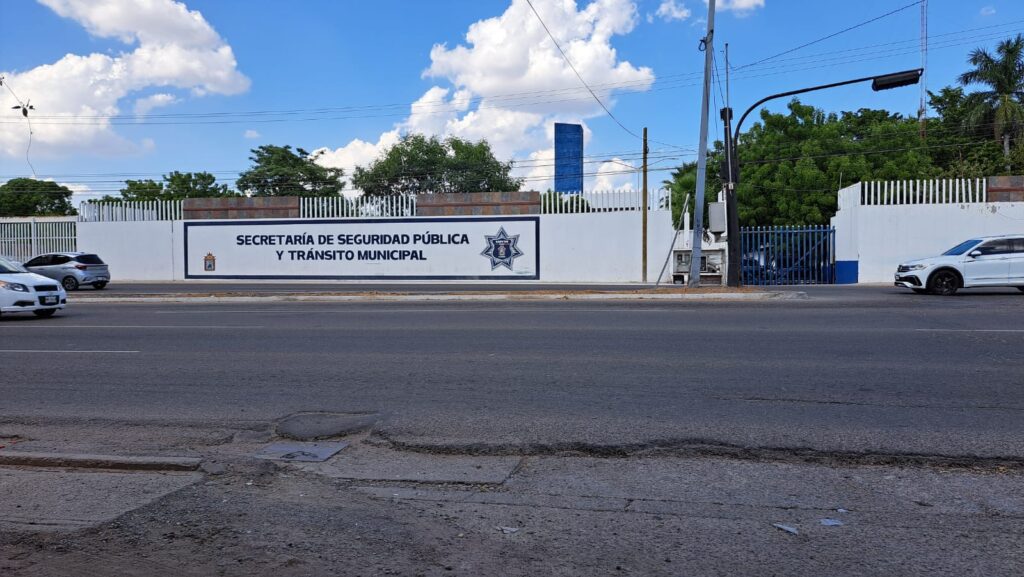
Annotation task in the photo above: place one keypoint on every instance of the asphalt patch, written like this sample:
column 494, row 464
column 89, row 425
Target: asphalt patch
column 312, row 426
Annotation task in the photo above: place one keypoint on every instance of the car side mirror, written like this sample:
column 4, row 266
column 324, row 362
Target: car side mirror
column 975, row 253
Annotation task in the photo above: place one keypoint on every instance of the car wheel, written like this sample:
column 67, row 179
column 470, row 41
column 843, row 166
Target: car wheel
column 944, row 282
column 99, row 285
column 44, row 313
column 920, row 291
column 69, row 283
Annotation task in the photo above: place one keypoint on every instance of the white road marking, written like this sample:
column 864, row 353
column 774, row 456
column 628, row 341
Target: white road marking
column 59, row 326
column 435, row 311
column 971, row 330
column 64, row 351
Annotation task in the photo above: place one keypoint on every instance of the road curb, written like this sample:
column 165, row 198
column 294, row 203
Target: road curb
column 448, row 297
column 86, row 461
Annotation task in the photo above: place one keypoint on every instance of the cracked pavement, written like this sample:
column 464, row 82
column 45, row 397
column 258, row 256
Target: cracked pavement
column 526, row 438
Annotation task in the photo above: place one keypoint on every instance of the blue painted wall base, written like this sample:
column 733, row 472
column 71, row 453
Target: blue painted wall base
column 846, row 271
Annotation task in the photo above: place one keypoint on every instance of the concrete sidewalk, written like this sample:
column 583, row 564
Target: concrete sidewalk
column 411, row 293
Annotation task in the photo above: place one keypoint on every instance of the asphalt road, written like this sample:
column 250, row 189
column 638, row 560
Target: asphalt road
column 290, row 287
column 862, row 369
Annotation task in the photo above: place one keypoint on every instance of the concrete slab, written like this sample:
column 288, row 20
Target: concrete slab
column 59, row 500
column 301, row 452
column 379, row 464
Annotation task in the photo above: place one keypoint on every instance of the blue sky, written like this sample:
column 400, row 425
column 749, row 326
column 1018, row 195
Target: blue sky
column 129, row 89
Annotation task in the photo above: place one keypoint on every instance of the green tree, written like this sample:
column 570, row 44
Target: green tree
column 30, row 197
column 682, row 182
column 792, row 164
column 136, row 190
column 195, row 185
column 421, row 165
column 279, row 171
column 1000, row 105
column 958, row 148
column 175, row 186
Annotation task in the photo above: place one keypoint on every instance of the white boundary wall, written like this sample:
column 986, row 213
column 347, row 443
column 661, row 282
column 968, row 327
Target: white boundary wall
column 585, row 247
column 878, row 237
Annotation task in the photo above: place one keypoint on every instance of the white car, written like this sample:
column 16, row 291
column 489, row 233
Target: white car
column 994, row 261
column 25, row 292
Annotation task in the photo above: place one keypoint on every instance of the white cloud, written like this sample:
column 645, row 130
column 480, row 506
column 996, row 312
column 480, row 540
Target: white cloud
column 143, row 106
column 356, row 153
column 252, row 134
column 740, row 7
column 83, row 192
column 174, row 48
column 509, row 83
column 670, row 10
column 988, row 11
column 430, row 114
column 615, row 175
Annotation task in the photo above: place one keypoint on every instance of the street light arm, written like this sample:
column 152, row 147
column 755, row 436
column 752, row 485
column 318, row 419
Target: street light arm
column 739, row 124
column 884, row 82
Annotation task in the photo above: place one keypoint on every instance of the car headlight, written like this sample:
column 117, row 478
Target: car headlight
column 916, row 266
column 13, row 286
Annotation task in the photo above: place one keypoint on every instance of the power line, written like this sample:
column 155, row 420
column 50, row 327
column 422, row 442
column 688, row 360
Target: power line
column 670, row 169
column 459, row 103
column 665, row 85
column 525, row 163
column 863, row 152
column 832, row 35
column 582, row 81
column 668, row 82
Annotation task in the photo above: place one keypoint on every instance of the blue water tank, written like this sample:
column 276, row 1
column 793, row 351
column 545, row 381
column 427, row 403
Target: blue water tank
column 568, row 157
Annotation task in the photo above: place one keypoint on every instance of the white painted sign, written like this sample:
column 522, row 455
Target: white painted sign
column 481, row 248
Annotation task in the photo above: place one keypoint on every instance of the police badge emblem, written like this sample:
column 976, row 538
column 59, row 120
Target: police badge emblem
column 502, row 249
column 209, row 262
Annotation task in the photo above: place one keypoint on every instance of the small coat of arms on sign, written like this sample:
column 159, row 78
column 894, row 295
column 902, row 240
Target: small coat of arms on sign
column 209, row 262
column 502, row 249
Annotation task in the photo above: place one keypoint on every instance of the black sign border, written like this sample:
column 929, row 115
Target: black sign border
column 534, row 219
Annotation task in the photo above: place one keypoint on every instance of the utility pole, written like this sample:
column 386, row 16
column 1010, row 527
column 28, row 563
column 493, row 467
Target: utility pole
column 643, row 208
column 731, row 177
column 702, row 155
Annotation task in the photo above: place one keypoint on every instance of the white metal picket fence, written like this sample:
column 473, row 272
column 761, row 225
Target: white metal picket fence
column 130, row 211
column 932, row 191
column 382, row 207
column 358, row 207
column 23, row 238
column 604, row 201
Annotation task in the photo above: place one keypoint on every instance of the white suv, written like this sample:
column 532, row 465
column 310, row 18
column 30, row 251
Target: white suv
column 994, row 261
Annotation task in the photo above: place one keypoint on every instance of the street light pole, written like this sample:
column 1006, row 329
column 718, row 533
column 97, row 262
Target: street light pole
column 878, row 83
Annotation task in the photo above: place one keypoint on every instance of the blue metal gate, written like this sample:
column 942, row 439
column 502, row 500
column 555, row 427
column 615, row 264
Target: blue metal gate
column 783, row 255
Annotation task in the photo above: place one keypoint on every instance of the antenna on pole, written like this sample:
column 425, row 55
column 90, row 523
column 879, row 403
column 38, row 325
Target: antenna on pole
column 24, row 107
column 922, row 111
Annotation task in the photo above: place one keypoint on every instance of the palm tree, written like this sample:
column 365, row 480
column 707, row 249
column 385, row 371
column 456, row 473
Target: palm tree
column 1003, row 73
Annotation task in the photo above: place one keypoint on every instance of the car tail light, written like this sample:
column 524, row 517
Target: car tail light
column 81, row 267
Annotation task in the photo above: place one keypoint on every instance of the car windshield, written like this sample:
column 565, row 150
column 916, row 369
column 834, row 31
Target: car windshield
column 962, row 247
column 8, row 266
